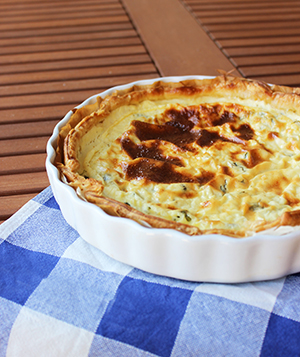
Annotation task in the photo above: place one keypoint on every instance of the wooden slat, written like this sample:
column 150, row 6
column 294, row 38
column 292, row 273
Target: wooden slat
column 251, row 26
column 14, row 5
column 22, row 164
column 178, row 45
column 59, row 93
column 83, row 21
column 60, row 15
column 88, row 28
column 251, row 18
column 236, row 1
column 255, row 71
column 26, row 130
column 27, row 183
column 249, row 13
column 262, row 50
column 20, row 115
column 25, row 42
column 260, row 41
column 277, row 33
column 121, row 59
column 267, row 59
column 65, row 46
column 70, row 55
column 28, row 15
column 36, row 8
column 10, row 204
column 72, row 74
column 23, row 146
column 241, row 5
column 293, row 79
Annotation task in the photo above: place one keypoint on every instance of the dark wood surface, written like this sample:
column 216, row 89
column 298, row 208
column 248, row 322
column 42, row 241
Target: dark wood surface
column 260, row 37
column 54, row 54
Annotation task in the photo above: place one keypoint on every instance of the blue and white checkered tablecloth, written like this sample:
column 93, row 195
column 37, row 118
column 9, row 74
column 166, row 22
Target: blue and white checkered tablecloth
column 59, row 296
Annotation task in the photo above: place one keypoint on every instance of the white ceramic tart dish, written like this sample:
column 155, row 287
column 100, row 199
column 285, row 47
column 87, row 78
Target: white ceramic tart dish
column 195, row 178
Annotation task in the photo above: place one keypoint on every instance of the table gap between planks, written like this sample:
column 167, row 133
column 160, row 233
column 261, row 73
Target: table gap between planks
column 54, row 54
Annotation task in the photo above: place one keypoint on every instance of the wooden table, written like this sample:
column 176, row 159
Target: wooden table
column 54, row 54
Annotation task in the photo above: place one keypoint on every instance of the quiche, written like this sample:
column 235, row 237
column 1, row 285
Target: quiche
column 218, row 155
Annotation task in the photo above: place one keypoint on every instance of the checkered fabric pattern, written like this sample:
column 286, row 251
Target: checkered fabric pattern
column 59, row 296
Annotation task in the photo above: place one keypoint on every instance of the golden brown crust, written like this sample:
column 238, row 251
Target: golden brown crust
column 119, row 209
column 72, row 139
column 77, row 116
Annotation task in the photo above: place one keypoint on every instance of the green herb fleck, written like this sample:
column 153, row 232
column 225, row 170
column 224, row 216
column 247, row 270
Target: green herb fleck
column 255, row 207
column 107, row 177
column 186, row 216
column 223, row 188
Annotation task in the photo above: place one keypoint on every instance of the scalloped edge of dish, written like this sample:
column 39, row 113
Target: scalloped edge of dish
column 206, row 258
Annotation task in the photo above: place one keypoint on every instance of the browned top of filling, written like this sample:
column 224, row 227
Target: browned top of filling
column 187, row 128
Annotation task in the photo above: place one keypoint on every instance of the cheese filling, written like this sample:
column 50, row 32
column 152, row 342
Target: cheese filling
column 196, row 162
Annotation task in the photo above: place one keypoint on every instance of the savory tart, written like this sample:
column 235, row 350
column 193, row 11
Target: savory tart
column 217, row 155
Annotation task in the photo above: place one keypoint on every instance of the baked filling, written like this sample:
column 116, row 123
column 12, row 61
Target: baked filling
column 206, row 156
